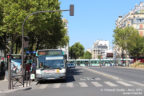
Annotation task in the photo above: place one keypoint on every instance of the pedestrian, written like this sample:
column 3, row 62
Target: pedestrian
column 2, row 68
column 33, row 67
column 28, row 70
column 41, row 65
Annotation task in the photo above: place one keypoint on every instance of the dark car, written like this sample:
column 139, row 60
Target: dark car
column 71, row 65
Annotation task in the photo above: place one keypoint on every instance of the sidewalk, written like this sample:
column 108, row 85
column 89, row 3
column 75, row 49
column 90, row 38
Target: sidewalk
column 3, row 85
column 3, row 82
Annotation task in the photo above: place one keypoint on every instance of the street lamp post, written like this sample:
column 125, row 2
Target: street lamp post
column 37, row 12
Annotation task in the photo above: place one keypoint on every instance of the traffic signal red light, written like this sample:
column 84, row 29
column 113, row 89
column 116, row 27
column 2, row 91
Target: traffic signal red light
column 8, row 56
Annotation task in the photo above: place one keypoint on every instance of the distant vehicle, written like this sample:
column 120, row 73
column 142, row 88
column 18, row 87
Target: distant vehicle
column 71, row 65
column 51, row 64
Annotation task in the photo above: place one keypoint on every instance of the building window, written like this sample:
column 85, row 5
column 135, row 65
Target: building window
column 137, row 26
column 139, row 20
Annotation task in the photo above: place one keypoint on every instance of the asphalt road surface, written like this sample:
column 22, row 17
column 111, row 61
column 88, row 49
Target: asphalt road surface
column 84, row 82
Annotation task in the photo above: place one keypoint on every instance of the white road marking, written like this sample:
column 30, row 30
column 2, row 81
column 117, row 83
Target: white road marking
column 97, row 79
column 83, row 84
column 137, row 83
column 124, row 83
column 89, row 79
column 96, row 84
column 102, row 73
column 70, row 85
column 82, row 79
column 57, row 85
column 110, row 84
column 43, row 86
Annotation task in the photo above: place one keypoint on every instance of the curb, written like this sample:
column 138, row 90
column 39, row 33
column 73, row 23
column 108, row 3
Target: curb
column 103, row 74
column 13, row 90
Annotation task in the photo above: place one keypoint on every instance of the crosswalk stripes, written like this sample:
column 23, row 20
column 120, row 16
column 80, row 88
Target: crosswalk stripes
column 137, row 83
column 110, row 84
column 44, row 86
column 90, row 84
column 70, row 85
column 83, row 84
column 96, row 84
column 124, row 83
column 57, row 85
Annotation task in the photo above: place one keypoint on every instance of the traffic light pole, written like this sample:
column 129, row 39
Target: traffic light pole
column 49, row 11
column 9, row 72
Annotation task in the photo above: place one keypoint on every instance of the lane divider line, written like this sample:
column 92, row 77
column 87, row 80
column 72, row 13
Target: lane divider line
column 103, row 74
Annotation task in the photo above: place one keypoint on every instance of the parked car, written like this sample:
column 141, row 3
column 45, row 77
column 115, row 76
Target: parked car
column 71, row 65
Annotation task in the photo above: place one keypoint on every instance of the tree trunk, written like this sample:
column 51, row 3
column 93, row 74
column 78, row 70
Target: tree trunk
column 37, row 45
column 122, row 56
column 16, row 48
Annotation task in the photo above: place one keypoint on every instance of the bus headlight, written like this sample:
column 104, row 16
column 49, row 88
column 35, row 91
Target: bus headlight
column 63, row 71
column 38, row 71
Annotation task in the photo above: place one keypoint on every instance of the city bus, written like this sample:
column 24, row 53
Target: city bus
column 51, row 65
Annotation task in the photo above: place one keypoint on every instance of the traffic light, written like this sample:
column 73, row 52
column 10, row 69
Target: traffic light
column 9, row 56
column 71, row 10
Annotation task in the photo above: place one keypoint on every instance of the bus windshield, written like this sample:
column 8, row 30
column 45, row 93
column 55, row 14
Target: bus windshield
column 53, row 64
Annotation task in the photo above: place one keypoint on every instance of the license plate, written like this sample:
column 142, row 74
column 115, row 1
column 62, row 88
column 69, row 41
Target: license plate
column 49, row 71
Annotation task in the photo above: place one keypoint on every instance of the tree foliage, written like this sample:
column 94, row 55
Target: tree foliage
column 76, row 51
column 45, row 30
column 129, row 40
column 135, row 44
column 87, row 55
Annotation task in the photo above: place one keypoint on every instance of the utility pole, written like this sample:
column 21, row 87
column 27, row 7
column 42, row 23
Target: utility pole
column 9, row 71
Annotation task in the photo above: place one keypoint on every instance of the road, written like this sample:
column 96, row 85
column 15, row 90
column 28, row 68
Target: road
column 123, row 73
column 84, row 82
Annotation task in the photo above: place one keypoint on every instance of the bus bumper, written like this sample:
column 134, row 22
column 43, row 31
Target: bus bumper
column 50, row 76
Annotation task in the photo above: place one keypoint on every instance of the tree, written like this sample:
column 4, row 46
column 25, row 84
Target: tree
column 121, row 35
column 87, row 55
column 45, row 30
column 76, row 50
column 129, row 40
column 135, row 45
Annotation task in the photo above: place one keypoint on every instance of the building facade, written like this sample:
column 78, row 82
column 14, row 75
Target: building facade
column 65, row 48
column 134, row 18
column 100, row 48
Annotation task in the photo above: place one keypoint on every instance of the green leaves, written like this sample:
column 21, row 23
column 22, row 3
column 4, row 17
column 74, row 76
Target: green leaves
column 76, row 50
column 129, row 40
column 45, row 30
column 87, row 55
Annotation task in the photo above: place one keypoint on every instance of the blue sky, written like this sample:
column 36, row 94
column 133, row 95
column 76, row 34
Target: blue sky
column 94, row 19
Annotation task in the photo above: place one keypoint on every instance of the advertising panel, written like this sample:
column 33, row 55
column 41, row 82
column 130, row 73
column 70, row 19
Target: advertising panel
column 16, row 66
